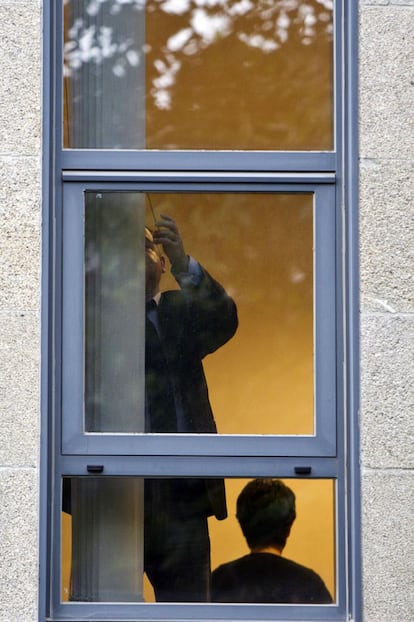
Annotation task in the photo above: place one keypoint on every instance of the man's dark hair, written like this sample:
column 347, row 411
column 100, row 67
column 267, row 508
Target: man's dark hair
column 266, row 511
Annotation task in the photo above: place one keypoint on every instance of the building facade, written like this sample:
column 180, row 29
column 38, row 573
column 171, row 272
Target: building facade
column 386, row 321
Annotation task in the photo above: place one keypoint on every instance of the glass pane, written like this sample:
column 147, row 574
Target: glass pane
column 250, row 252
column 175, row 74
column 130, row 540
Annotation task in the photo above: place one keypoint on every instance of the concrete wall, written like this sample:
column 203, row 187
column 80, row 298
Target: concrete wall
column 387, row 306
column 387, row 321
column 20, row 201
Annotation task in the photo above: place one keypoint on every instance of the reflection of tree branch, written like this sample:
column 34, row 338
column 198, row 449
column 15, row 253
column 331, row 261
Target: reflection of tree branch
column 261, row 24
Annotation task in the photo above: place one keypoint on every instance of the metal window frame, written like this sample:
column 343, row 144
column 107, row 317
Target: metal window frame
column 327, row 280
column 78, row 165
column 193, row 160
column 178, row 612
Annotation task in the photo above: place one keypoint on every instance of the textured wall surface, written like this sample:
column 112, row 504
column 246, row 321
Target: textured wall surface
column 387, row 305
column 20, row 124
column 387, row 319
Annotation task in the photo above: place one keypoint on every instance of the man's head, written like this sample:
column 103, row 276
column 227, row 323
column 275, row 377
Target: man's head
column 266, row 511
column 154, row 266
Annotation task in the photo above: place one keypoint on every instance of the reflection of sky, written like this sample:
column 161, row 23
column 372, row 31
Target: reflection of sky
column 208, row 20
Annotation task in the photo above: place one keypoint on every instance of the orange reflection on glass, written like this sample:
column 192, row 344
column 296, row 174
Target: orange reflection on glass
column 104, row 540
column 259, row 247
column 205, row 75
column 251, row 75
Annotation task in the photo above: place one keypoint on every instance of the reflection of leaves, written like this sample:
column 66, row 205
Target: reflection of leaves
column 96, row 35
column 260, row 25
column 112, row 225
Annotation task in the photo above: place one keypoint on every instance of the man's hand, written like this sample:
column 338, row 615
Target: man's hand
column 169, row 237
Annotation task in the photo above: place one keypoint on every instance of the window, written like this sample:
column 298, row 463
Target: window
column 228, row 117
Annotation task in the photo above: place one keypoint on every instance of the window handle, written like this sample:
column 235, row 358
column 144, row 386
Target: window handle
column 95, row 468
column 303, row 470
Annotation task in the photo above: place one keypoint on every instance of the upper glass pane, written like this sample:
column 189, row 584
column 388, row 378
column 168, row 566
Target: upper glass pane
column 198, row 74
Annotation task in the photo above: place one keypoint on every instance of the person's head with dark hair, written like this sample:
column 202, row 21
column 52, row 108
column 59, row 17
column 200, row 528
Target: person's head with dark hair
column 266, row 511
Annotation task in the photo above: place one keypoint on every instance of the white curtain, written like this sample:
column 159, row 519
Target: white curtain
column 107, row 513
column 105, row 74
column 107, row 539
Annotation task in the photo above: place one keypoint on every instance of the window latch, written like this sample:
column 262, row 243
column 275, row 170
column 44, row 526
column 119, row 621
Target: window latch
column 95, row 468
column 303, row 470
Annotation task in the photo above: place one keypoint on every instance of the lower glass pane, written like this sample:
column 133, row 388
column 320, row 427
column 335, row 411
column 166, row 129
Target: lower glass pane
column 158, row 540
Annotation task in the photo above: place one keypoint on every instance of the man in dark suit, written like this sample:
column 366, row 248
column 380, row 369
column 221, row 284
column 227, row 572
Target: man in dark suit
column 266, row 511
column 182, row 327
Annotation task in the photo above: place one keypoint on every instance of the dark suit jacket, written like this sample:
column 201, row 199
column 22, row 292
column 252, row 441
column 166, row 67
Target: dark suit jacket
column 196, row 321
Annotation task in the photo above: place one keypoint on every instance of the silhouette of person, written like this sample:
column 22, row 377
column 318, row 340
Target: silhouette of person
column 266, row 511
column 182, row 327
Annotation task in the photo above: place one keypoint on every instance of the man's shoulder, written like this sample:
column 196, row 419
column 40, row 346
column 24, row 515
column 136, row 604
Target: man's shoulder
column 171, row 298
column 312, row 583
column 247, row 563
column 298, row 569
column 170, row 294
column 267, row 562
column 172, row 308
column 265, row 577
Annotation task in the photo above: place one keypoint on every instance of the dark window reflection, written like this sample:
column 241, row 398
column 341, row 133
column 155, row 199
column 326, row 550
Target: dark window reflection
column 133, row 540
